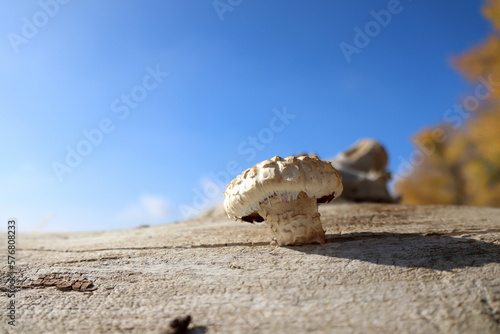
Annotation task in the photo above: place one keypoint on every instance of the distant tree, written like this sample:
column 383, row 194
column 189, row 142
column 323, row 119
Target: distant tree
column 461, row 158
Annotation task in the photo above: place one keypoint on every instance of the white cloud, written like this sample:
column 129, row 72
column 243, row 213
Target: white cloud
column 156, row 207
column 206, row 195
column 213, row 191
column 148, row 209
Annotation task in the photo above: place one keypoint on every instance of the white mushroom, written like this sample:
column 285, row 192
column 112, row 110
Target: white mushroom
column 285, row 194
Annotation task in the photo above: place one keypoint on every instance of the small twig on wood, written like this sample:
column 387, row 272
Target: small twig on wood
column 179, row 325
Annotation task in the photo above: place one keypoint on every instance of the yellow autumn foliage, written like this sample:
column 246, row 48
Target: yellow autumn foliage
column 464, row 168
column 492, row 12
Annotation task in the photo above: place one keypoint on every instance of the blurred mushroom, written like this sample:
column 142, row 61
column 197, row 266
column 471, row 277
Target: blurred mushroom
column 364, row 174
column 285, row 194
column 365, row 155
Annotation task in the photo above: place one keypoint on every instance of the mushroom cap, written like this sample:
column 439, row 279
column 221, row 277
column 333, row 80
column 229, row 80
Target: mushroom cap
column 280, row 177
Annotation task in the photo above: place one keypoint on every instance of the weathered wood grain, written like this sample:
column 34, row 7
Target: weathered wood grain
column 384, row 268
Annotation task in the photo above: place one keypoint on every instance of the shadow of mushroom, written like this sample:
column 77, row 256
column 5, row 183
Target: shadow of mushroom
column 407, row 250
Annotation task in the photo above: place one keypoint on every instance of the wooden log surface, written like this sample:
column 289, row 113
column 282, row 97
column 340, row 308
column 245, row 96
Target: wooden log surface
column 384, row 268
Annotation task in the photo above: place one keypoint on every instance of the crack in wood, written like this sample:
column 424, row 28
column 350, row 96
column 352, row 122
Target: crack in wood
column 330, row 238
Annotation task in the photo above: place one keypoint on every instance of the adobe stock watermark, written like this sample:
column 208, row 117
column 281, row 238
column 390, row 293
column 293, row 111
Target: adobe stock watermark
column 363, row 36
column 455, row 117
column 122, row 107
column 248, row 148
column 31, row 26
column 223, row 6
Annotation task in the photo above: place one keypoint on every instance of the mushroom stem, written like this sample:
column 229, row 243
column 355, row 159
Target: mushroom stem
column 295, row 221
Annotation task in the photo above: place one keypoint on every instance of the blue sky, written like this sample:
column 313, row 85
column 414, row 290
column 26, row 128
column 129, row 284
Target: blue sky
column 163, row 101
